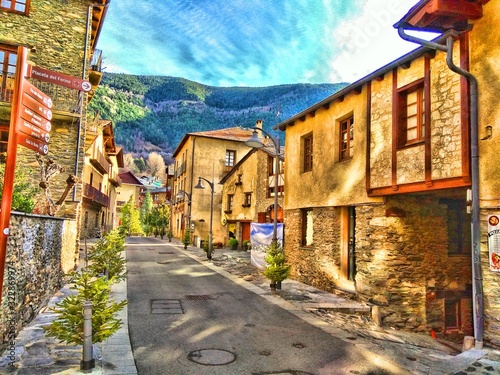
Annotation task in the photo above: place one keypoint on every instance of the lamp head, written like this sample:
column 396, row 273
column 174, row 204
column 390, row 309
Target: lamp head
column 254, row 141
column 199, row 185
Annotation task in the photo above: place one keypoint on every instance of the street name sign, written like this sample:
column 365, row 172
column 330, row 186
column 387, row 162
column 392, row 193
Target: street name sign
column 36, row 106
column 58, row 78
column 30, row 116
column 32, row 143
column 38, row 95
column 33, row 131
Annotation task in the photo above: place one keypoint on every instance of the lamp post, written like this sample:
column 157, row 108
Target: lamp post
column 200, row 185
column 255, row 142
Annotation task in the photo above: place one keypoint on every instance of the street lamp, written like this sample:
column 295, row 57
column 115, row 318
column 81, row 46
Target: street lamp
column 200, row 185
column 255, row 142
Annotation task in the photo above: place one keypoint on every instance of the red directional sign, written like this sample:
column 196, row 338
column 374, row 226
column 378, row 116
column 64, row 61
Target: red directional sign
column 58, row 78
column 30, row 115
column 37, row 107
column 33, row 131
column 33, row 143
column 36, row 94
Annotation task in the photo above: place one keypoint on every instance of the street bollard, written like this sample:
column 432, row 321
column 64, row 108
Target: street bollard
column 88, row 361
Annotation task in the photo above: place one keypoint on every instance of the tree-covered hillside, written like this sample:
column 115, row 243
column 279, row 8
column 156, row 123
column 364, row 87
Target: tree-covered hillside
column 152, row 113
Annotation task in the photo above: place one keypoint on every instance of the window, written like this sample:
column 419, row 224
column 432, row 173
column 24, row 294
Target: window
column 458, row 227
column 230, row 158
column 307, row 146
column 248, row 200
column 412, row 126
column 8, row 60
column 18, row 6
column 346, row 138
column 307, row 227
column 452, row 316
column 230, row 201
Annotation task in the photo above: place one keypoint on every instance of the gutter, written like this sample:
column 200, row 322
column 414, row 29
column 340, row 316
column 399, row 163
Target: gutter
column 477, row 278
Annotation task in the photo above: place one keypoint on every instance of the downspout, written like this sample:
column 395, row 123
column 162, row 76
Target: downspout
column 191, row 178
column 82, row 95
column 477, row 277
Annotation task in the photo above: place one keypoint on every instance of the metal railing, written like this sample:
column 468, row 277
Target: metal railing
column 95, row 195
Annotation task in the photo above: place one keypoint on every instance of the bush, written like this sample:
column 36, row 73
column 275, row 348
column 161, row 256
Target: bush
column 186, row 240
column 233, row 243
column 244, row 245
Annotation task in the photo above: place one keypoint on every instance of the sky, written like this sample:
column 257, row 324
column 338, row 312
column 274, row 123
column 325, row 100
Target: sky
column 253, row 43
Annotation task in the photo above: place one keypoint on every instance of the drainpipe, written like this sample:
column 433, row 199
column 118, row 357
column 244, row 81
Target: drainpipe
column 477, row 277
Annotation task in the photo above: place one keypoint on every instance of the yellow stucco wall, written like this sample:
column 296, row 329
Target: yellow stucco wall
column 330, row 183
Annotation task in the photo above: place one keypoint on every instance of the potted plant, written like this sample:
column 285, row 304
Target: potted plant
column 186, row 240
column 276, row 270
column 233, row 243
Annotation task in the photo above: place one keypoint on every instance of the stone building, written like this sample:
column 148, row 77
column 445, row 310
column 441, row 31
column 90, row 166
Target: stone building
column 248, row 193
column 59, row 37
column 101, row 179
column 211, row 155
column 377, row 178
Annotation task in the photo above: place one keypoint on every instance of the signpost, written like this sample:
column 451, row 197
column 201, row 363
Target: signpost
column 30, row 127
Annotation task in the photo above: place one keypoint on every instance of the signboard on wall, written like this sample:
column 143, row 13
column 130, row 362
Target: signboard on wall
column 261, row 236
column 494, row 242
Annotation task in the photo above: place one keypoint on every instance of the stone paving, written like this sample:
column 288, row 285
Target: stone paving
column 337, row 314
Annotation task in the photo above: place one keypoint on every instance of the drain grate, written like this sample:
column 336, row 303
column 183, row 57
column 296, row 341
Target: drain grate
column 163, row 262
column 212, row 357
column 166, row 252
column 166, row 306
column 200, row 297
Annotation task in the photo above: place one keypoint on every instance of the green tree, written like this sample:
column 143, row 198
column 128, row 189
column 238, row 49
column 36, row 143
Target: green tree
column 105, row 257
column 68, row 326
column 146, row 214
column 276, row 270
column 131, row 221
column 23, row 194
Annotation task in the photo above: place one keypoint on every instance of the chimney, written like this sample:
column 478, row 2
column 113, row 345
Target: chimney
column 258, row 124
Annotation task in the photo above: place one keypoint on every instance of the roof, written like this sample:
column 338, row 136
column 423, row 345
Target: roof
column 268, row 149
column 129, row 178
column 155, row 191
column 440, row 16
column 237, row 134
column 357, row 86
column 99, row 10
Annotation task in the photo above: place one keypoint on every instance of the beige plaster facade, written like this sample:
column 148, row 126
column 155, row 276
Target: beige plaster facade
column 211, row 155
column 248, row 193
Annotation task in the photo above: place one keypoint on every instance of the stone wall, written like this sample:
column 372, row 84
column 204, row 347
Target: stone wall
column 402, row 260
column 40, row 251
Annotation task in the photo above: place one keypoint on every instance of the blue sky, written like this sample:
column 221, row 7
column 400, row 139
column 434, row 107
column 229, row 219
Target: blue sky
column 253, row 42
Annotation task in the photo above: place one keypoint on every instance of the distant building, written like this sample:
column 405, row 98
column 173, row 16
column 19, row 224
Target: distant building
column 211, row 155
column 248, row 193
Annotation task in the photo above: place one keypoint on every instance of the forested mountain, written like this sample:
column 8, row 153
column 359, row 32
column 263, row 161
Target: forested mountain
column 152, row 113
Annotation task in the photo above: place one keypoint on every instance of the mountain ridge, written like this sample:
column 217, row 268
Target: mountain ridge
column 152, row 113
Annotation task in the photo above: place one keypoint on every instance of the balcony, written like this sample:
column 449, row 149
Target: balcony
column 180, row 170
column 114, row 178
column 94, row 195
column 99, row 162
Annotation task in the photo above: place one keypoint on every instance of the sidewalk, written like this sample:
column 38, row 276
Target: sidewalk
column 336, row 314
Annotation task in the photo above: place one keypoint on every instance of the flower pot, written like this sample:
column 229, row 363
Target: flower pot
column 273, row 285
column 278, row 285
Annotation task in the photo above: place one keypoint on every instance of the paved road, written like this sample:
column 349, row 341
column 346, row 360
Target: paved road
column 185, row 318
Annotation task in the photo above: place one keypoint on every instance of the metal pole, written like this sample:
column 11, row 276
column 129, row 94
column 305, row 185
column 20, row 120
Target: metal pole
column 210, row 233
column 88, row 361
column 276, row 186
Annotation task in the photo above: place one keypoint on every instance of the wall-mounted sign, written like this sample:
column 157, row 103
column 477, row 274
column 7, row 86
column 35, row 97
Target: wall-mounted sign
column 494, row 242
column 57, row 78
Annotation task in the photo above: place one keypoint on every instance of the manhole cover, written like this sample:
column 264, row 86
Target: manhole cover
column 212, row 357
column 298, row 345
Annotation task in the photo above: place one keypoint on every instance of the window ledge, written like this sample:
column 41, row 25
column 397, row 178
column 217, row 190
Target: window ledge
column 310, row 247
column 238, row 183
column 228, row 211
column 245, row 205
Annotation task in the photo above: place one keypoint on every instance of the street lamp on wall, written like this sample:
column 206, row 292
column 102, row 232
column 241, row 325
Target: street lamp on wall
column 200, row 185
column 255, row 142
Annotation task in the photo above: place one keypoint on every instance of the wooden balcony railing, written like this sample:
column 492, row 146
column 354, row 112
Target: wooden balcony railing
column 95, row 195
column 99, row 162
column 114, row 178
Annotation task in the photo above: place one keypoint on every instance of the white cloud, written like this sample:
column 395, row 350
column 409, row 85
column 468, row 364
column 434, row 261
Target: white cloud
column 369, row 41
